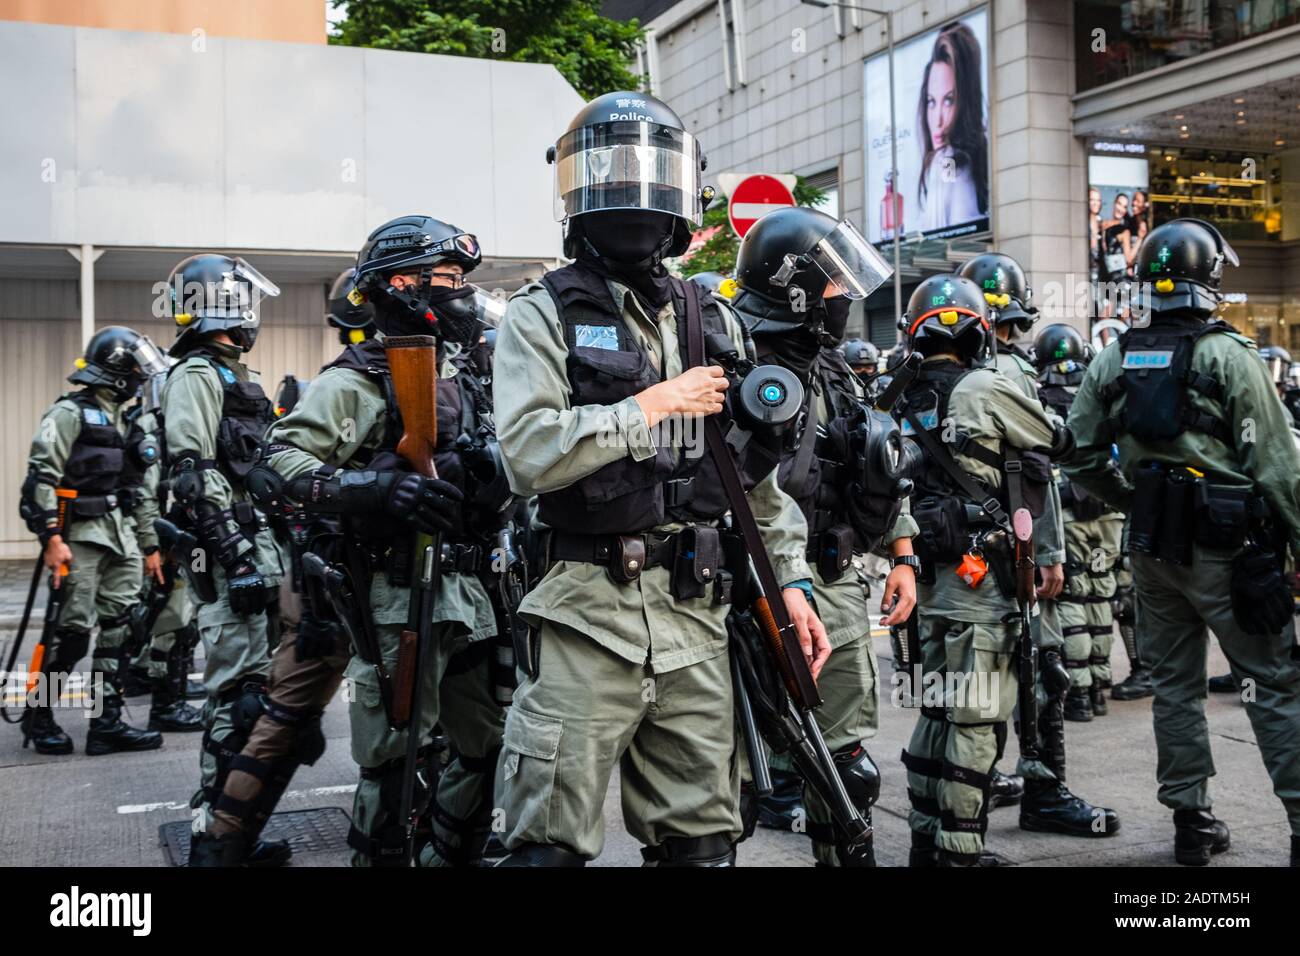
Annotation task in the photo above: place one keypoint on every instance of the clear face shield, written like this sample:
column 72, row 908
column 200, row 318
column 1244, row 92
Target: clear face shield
column 491, row 309
column 851, row 265
column 628, row 164
column 148, row 358
column 252, row 288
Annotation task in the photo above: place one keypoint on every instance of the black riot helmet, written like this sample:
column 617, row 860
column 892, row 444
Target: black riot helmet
column 120, row 359
column 354, row 320
column 1060, row 354
column 796, row 258
column 1179, row 268
column 627, row 180
column 948, row 313
column 418, row 245
column 212, row 293
column 861, row 355
column 1005, row 287
column 1278, row 361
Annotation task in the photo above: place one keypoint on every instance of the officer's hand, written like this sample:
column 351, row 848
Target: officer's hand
column 57, row 554
column 153, row 567
column 900, row 584
column 432, row 505
column 247, row 588
column 811, row 631
column 1053, row 582
column 697, row 391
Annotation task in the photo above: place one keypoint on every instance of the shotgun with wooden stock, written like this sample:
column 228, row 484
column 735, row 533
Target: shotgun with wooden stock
column 1022, row 524
column 413, row 362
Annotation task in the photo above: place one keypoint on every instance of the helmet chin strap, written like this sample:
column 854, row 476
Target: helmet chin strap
column 649, row 264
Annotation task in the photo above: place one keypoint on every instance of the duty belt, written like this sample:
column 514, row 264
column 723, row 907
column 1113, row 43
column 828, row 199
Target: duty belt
column 606, row 549
column 93, row 506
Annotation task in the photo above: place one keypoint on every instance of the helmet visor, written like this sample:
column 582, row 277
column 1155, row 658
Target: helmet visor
column 491, row 310
column 628, row 165
column 260, row 283
column 852, row 265
column 148, row 357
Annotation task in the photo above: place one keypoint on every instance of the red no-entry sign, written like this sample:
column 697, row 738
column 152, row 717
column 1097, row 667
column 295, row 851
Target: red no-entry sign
column 753, row 198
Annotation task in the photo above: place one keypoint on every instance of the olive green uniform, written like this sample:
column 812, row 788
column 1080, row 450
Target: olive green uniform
column 103, row 581
column 970, row 636
column 1179, row 603
column 235, row 646
column 342, row 419
column 627, row 674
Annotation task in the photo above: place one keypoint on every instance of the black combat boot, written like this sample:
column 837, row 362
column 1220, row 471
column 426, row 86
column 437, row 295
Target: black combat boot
column 110, row 734
column 226, row 850
column 1005, row 790
column 1078, row 705
column 169, row 712
column 1223, row 684
column 1197, row 835
column 1097, row 694
column 1134, row 687
column 39, row 727
column 925, row 855
column 1048, row 805
column 784, row 807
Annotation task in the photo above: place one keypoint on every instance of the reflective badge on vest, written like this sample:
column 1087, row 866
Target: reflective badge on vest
column 596, row 337
column 929, row 420
column 95, row 416
column 226, row 374
column 1156, row 359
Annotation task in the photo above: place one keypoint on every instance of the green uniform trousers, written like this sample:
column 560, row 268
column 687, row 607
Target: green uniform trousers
column 102, row 586
column 673, row 736
column 1178, row 604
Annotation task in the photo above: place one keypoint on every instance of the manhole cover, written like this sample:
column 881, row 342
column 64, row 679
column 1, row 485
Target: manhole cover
column 308, row 831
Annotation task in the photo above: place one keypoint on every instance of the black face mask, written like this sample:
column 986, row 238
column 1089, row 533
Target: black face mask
column 457, row 314
column 837, row 318
column 627, row 236
column 796, row 349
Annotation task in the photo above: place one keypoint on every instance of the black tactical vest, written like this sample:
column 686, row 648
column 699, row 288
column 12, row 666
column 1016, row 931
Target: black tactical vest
column 927, row 398
column 605, row 366
column 246, row 413
column 1155, row 378
column 98, row 457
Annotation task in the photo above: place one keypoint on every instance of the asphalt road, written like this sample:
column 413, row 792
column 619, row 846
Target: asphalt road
column 79, row 810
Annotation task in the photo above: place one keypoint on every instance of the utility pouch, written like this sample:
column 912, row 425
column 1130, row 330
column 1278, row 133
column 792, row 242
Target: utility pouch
column 834, row 552
column 943, row 538
column 628, row 559
column 1000, row 563
column 1148, row 491
column 696, row 563
column 93, row 506
column 1222, row 515
column 399, row 561
column 1176, row 520
column 723, row 586
column 1083, row 506
column 741, row 586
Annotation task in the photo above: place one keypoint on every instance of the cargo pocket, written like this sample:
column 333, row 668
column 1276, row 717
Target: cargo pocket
column 979, row 660
column 528, row 770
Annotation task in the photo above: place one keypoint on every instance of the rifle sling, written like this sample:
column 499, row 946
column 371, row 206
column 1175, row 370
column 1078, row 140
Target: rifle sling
column 988, row 502
column 804, row 689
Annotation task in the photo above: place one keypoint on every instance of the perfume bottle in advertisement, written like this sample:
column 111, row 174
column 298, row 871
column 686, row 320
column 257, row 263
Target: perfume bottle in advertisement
column 891, row 209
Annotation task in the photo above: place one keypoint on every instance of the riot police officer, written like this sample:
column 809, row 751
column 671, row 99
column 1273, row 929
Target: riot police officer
column 798, row 272
column 215, row 415
column 597, row 399
column 863, row 357
column 412, row 272
column 1207, row 470
column 972, row 423
column 87, row 463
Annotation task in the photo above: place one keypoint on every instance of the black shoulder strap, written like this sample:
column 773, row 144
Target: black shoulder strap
column 943, row 458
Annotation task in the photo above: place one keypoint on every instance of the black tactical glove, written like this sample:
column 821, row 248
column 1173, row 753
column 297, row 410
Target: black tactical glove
column 1055, row 675
column 1262, row 602
column 431, row 505
column 248, row 589
column 315, row 639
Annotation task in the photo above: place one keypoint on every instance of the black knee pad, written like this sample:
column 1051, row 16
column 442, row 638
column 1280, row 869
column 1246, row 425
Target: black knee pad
column 385, row 844
column 187, row 638
column 711, row 850
column 308, row 738
column 860, row 774
column 110, row 621
column 70, row 646
column 245, row 711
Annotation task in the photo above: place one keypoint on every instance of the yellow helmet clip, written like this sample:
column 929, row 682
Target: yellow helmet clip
column 1001, row 301
column 1164, row 285
column 728, row 288
column 356, row 297
column 949, row 317
column 356, row 336
column 184, row 318
column 79, row 364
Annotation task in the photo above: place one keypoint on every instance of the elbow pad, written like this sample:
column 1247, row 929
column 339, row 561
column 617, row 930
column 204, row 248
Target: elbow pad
column 187, row 485
column 343, row 492
column 265, row 486
column 1062, row 447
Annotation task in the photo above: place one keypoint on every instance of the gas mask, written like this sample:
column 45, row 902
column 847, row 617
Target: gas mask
column 628, row 236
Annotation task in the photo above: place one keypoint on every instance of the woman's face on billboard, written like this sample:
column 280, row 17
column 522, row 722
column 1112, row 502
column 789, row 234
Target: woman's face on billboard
column 1121, row 206
column 940, row 102
column 1094, row 201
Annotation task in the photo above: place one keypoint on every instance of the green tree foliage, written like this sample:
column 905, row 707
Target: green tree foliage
column 718, row 254
column 590, row 51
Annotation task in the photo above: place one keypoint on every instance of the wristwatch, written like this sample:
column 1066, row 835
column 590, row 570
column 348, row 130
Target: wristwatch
column 911, row 560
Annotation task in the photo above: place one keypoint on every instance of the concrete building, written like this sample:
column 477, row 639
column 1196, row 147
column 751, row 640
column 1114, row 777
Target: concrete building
column 1194, row 105
column 125, row 151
